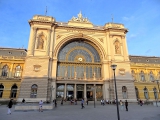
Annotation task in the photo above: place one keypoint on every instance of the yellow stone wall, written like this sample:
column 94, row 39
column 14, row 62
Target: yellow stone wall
column 10, row 80
column 149, row 84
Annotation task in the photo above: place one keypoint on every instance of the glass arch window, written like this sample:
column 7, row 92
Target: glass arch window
column 18, row 71
column 133, row 74
column 151, row 76
column 124, row 92
column 78, row 60
column 1, row 90
column 34, row 88
column 142, row 76
column 14, row 91
column 146, row 93
column 5, row 71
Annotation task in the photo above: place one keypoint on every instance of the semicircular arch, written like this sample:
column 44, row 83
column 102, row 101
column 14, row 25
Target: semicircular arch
column 90, row 40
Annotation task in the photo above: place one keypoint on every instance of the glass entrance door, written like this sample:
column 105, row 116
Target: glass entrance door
column 79, row 95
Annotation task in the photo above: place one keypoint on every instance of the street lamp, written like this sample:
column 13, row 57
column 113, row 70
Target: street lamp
column 114, row 68
column 94, row 93
column 157, row 81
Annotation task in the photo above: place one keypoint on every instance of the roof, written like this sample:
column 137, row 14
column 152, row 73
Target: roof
column 13, row 52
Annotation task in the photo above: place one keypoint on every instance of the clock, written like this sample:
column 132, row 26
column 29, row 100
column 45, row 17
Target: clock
column 80, row 59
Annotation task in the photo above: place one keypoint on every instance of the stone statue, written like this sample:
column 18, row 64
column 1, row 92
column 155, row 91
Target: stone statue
column 117, row 48
column 80, row 18
column 40, row 43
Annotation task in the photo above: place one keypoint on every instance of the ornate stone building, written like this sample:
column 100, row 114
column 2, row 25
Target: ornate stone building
column 73, row 59
column 146, row 71
column 11, row 69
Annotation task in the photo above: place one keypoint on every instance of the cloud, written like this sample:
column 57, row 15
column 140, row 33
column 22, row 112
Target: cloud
column 127, row 18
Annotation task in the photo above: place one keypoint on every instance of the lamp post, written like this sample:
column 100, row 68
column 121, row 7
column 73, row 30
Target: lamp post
column 157, row 81
column 114, row 68
column 94, row 92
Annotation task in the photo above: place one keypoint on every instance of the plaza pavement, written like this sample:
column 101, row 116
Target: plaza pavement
column 74, row 112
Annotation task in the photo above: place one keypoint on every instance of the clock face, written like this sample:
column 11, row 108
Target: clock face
column 80, row 59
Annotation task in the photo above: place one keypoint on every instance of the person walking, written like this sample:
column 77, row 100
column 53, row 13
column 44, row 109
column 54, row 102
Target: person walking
column 140, row 102
column 23, row 101
column 62, row 101
column 9, row 107
column 40, row 106
column 55, row 102
column 87, row 101
column 82, row 103
column 121, row 104
column 126, row 104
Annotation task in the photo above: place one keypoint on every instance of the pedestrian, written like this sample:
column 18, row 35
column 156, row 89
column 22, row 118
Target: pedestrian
column 87, row 101
column 40, row 106
column 82, row 103
column 9, row 107
column 121, row 103
column 75, row 101
column 126, row 104
column 103, row 102
column 141, row 103
column 62, row 101
column 23, row 101
column 55, row 102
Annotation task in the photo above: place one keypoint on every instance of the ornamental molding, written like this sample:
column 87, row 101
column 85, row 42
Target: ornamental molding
column 122, row 71
column 80, row 19
column 36, row 68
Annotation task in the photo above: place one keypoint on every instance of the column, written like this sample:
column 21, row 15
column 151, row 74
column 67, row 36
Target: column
column 11, row 71
column 33, row 40
column 95, row 92
column 75, row 91
column 0, row 69
column 85, row 92
column 65, row 90
column 48, row 42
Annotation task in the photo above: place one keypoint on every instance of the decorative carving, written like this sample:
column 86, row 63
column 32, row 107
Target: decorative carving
column 122, row 71
column 36, row 68
column 80, row 18
column 41, row 39
column 59, row 36
column 101, row 39
column 117, row 47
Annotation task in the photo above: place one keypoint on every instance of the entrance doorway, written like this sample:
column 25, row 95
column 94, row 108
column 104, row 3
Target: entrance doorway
column 79, row 95
column 89, row 95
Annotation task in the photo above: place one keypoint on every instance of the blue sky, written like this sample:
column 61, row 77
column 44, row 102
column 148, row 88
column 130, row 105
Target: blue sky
column 140, row 17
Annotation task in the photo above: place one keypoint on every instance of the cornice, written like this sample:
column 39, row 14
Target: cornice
column 80, row 29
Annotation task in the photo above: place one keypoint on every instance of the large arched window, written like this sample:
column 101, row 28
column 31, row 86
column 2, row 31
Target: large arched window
column 1, row 90
column 146, row 95
column 34, row 88
column 5, row 71
column 18, row 71
column 14, row 91
column 78, row 60
column 142, row 76
column 155, row 93
column 151, row 76
column 137, row 92
column 124, row 92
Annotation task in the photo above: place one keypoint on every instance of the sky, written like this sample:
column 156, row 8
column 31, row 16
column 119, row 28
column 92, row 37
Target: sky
column 140, row 17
